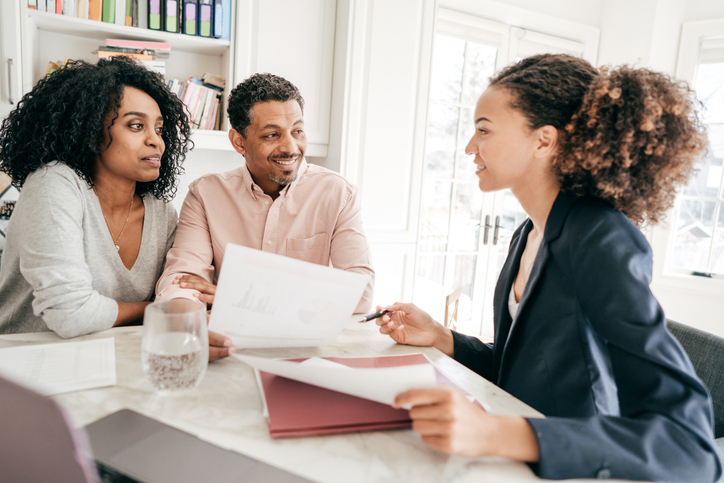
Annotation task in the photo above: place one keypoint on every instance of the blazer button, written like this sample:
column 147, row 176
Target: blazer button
column 603, row 474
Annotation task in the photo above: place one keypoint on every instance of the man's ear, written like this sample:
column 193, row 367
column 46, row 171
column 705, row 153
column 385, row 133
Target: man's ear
column 238, row 141
column 547, row 141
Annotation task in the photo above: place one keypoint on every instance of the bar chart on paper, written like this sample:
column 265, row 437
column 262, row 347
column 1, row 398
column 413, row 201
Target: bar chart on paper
column 317, row 312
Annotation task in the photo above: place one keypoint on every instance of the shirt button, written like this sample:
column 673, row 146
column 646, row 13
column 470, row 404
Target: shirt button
column 268, row 242
column 603, row 474
column 266, row 202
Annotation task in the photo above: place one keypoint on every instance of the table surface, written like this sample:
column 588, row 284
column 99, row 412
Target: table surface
column 226, row 410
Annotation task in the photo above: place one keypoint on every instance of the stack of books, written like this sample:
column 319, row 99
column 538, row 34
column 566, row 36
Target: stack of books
column 203, row 99
column 150, row 54
column 203, row 18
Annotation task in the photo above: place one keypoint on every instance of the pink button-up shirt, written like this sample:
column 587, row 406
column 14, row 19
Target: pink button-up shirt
column 317, row 218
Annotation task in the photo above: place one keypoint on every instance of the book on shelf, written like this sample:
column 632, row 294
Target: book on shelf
column 203, row 18
column 95, row 10
column 160, row 47
column 203, row 101
column 119, row 17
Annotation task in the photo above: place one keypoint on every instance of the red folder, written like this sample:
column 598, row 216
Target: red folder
column 299, row 409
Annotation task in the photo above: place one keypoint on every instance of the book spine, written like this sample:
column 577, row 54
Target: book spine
column 173, row 17
column 205, row 18
column 154, row 14
column 120, row 15
column 129, row 13
column 59, row 7
column 95, row 10
column 109, row 11
column 226, row 20
column 33, row 4
column 218, row 17
column 190, row 17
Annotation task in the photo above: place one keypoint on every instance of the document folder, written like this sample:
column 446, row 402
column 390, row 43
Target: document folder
column 298, row 409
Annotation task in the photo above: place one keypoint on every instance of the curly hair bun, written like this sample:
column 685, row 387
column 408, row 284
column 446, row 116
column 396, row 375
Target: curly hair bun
column 634, row 140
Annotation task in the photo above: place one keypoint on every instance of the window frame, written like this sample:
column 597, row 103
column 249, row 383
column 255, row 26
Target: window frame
column 662, row 235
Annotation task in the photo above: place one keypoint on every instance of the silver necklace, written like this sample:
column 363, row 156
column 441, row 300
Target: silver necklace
column 108, row 225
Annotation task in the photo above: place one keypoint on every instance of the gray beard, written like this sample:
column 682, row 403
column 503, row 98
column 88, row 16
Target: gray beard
column 283, row 181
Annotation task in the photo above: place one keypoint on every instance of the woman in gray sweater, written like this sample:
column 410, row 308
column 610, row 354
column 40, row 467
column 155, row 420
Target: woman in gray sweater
column 96, row 150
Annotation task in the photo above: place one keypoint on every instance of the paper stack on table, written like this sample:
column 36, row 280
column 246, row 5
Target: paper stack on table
column 339, row 394
column 61, row 367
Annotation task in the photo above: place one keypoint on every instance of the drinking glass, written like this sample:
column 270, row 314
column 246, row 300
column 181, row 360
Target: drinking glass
column 175, row 346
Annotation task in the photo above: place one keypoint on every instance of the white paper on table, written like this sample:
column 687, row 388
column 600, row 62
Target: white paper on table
column 61, row 367
column 380, row 384
column 268, row 300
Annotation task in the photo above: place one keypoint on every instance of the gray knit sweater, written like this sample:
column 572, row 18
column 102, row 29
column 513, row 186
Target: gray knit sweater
column 60, row 270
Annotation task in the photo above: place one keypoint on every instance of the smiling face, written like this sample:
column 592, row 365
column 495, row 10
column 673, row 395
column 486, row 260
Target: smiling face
column 136, row 143
column 274, row 144
column 504, row 146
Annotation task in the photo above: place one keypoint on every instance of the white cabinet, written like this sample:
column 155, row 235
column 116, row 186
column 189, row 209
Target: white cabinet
column 10, row 57
column 293, row 39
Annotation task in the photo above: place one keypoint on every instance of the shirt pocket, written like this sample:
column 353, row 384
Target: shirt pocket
column 314, row 249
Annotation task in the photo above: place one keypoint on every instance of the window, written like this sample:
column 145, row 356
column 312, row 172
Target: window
column 463, row 234
column 697, row 235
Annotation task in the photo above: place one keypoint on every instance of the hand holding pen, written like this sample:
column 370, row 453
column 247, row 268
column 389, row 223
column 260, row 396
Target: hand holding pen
column 407, row 324
column 376, row 315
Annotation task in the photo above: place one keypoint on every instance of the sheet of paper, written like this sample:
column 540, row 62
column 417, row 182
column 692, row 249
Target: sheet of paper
column 380, row 384
column 267, row 300
column 61, row 367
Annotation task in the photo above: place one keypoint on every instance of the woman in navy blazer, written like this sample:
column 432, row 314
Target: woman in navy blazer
column 578, row 334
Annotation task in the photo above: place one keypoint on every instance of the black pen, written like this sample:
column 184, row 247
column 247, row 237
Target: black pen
column 376, row 315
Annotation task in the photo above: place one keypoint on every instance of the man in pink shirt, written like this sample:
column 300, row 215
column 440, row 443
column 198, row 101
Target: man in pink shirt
column 276, row 202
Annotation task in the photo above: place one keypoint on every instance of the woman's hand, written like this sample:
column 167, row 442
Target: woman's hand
column 207, row 290
column 448, row 422
column 220, row 346
column 407, row 324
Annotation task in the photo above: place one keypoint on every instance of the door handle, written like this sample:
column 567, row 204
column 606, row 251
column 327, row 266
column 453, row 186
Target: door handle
column 488, row 226
column 10, row 81
column 497, row 230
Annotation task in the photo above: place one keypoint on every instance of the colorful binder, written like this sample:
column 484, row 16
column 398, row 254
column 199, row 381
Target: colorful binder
column 154, row 15
column 190, row 15
column 218, row 16
column 226, row 20
column 172, row 22
column 206, row 9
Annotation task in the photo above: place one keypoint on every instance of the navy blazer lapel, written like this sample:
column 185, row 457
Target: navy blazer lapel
column 502, row 319
column 554, row 225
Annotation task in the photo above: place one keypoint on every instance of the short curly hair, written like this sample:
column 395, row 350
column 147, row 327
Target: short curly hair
column 62, row 118
column 258, row 88
column 627, row 136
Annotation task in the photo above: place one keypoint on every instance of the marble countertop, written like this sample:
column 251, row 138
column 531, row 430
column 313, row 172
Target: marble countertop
column 225, row 409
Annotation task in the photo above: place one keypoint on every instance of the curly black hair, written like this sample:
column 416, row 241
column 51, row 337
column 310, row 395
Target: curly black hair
column 627, row 136
column 258, row 88
column 62, row 118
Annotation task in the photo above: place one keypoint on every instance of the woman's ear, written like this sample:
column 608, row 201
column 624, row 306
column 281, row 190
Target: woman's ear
column 547, row 141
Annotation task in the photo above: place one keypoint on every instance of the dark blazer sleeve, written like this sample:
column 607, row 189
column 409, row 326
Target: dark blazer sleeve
column 664, row 430
column 474, row 354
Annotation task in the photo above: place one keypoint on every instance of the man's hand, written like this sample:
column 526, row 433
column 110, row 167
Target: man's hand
column 207, row 290
column 408, row 324
column 448, row 422
column 220, row 346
